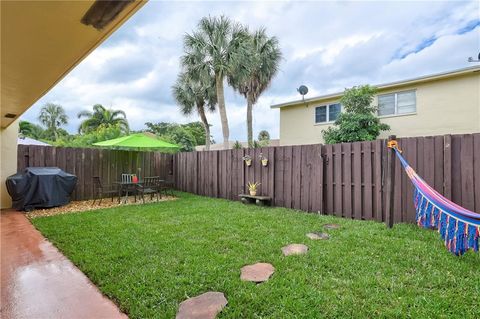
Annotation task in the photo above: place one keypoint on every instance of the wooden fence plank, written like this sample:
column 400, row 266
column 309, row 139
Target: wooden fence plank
column 316, row 184
column 287, row 177
column 347, row 180
column 60, row 160
column 476, row 173
column 456, row 169
column 296, row 176
column 87, row 174
column 466, row 160
column 338, row 189
column 366, row 193
column 378, row 173
column 357, row 166
column 447, row 166
column 279, row 199
column 329, row 187
column 305, row 175
column 271, row 171
column 438, row 163
column 410, row 153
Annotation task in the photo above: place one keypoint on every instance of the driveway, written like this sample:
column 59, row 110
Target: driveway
column 37, row 281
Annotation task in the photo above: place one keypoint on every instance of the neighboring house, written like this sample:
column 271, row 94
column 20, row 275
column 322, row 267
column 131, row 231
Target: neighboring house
column 30, row 141
column 217, row 147
column 444, row 103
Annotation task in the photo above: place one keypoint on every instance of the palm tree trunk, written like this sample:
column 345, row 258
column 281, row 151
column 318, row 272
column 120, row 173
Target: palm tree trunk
column 55, row 134
column 203, row 118
column 249, row 120
column 222, row 110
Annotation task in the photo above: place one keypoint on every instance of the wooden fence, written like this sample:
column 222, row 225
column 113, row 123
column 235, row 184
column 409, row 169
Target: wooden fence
column 346, row 180
column 89, row 162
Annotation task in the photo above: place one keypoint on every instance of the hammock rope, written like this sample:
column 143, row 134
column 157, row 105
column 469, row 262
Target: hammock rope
column 458, row 227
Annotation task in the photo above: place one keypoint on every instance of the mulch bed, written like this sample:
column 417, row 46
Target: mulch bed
column 86, row 205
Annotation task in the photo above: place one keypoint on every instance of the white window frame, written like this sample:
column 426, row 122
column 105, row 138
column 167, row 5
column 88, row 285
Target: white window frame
column 395, row 94
column 327, row 108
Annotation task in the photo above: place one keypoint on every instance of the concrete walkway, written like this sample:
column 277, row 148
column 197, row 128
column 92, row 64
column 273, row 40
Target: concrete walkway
column 37, row 281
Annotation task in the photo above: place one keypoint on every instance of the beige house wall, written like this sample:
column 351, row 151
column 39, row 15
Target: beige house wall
column 8, row 146
column 443, row 106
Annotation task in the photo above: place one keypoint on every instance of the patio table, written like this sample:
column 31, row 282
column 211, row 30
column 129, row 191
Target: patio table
column 128, row 186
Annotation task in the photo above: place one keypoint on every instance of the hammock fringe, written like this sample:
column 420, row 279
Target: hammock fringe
column 458, row 227
column 458, row 235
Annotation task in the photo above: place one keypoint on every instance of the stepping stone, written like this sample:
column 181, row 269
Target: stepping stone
column 331, row 226
column 258, row 272
column 205, row 306
column 294, row 249
column 317, row 236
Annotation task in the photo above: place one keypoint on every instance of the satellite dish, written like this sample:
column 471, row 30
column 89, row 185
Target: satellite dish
column 302, row 90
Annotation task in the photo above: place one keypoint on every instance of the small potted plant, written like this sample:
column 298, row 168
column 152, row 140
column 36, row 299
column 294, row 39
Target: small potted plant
column 252, row 188
column 248, row 160
column 263, row 159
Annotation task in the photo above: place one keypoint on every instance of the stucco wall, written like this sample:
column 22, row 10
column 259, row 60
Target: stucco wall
column 447, row 106
column 8, row 138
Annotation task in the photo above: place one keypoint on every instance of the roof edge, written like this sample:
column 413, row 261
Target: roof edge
column 420, row 79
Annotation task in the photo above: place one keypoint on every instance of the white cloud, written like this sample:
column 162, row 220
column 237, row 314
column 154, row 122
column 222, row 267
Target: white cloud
column 326, row 45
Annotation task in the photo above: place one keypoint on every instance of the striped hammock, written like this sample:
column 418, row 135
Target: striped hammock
column 458, row 226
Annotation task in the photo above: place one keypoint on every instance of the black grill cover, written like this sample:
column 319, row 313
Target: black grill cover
column 40, row 187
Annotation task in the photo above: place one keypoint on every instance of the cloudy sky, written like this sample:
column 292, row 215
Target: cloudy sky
column 326, row 45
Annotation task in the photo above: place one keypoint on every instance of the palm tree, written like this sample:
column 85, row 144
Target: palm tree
column 255, row 71
column 215, row 47
column 34, row 131
column 194, row 93
column 52, row 116
column 102, row 116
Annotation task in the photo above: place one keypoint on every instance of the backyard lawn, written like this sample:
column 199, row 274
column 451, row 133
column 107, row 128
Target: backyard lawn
column 149, row 258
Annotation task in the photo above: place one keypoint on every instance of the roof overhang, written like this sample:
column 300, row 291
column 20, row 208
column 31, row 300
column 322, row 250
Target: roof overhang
column 386, row 86
column 42, row 41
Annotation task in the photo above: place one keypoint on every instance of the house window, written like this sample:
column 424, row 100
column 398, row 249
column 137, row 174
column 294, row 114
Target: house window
column 397, row 103
column 327, row 113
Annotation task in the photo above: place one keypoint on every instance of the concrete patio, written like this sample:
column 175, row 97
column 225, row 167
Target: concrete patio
column 39, row 282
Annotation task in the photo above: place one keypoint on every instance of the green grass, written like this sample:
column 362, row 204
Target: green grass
column 150, row 258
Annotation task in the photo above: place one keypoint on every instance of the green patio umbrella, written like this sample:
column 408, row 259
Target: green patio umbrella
column 138, row 141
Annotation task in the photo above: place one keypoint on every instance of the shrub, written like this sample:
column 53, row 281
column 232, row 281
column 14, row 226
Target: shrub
column 359, row 121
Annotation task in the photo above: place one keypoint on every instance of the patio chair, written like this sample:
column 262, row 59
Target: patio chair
column 127, row 185
column 167, row 187
column 100, row 190
column 150, row 185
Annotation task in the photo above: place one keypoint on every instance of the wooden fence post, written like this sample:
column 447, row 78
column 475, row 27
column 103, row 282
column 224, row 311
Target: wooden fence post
column 390, row 184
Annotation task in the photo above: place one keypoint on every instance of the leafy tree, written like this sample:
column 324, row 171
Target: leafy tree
column 215, row 47
column 101, row 133
column 51, row 136
column 198, row 131
column 187, row 136
column 31, row 130
column 160, row 128
column 254, row 72
column 194, row 92
column 358, row 122
column 101, row 115
column 263, row 135
column 52, row 116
